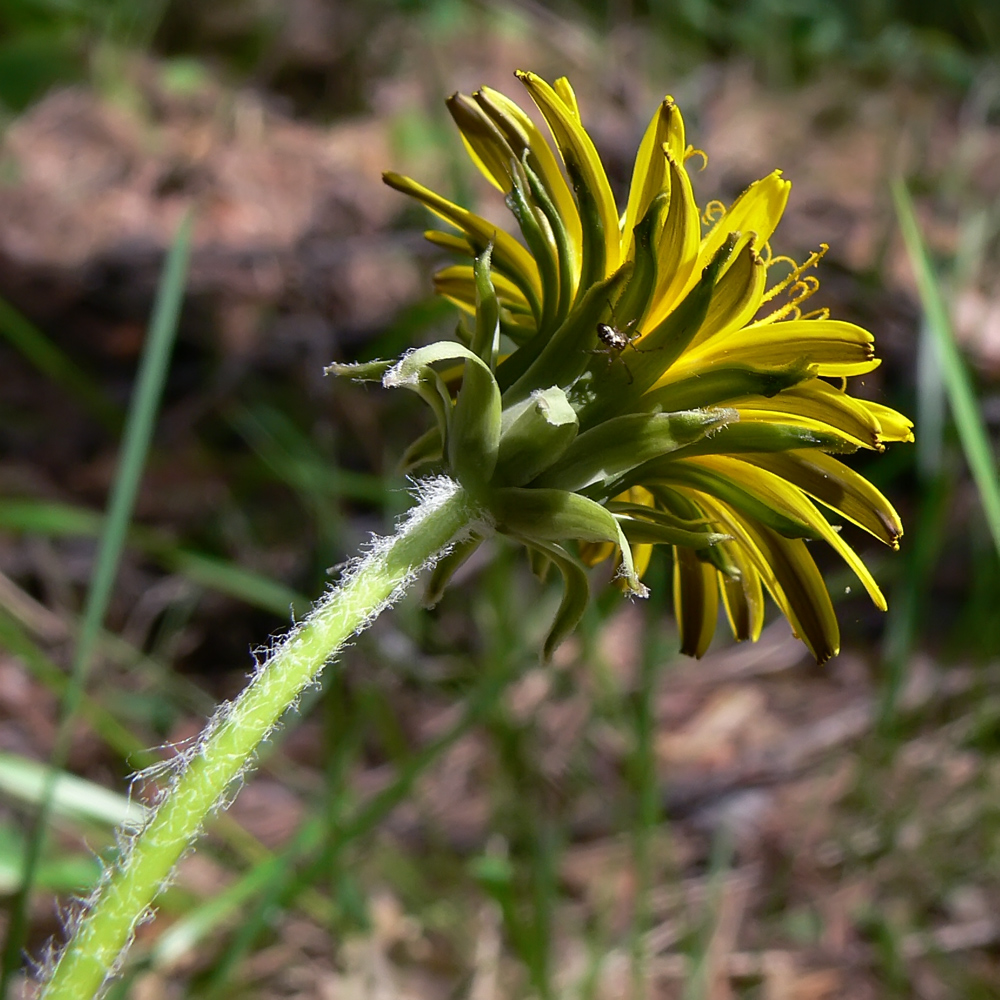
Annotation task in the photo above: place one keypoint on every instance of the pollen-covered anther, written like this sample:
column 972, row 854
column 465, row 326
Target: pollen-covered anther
column 691, row 151
column 796, row 272
column 823, row 313
column 803, row 289
column 714, row 211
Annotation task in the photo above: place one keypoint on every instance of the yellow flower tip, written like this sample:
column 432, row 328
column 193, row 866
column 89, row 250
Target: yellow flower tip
column 893, row 527
column 827, row 655
column 564, row 89
column 398, row 182
column 776, row 178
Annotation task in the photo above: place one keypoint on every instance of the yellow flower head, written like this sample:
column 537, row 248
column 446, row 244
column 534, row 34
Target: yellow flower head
column 644, row 377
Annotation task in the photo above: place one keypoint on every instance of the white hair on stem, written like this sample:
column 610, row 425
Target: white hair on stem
column 216, row 763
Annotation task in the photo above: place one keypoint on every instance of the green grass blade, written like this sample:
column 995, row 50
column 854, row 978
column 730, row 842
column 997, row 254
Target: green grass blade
column 293, row 457
column 143, row 409
column 73, row 798
column 698, row 984
column 62, row 874
column 647, row 818
column 244, row 584
column 44, row 517
column 961, row 394
column 56, row 365
column 129, row 747
column 932, row 406
column 909, row 606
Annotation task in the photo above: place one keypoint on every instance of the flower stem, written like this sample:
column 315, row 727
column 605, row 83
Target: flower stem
column 227, row 747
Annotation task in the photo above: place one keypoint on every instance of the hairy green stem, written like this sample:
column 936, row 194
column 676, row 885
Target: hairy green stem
column 227, row 747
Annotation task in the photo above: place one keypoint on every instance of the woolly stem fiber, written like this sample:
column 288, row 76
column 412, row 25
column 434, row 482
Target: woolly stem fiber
column 227, row 747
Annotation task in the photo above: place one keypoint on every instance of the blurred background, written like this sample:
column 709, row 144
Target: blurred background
column 445, row 818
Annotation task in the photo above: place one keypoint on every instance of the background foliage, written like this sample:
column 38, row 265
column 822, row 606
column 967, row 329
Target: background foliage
column 445, row 818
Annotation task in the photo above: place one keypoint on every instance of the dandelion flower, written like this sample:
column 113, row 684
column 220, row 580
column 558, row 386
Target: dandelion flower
column 643, row 377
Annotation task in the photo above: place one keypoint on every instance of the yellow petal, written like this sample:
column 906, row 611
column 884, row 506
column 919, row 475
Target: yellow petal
column 763, row 499
column 893, row 426
column 789, row 500
column 696, row 601
column 838, row 487
column 523, row 134
column 676, row 141
column 758, row 209
column 822, row 402
column 483, row 141
column 578, row 152
column 592, row 553
column 789, row 573
column 836, row 348
column 743, row 598
column 649, row 175
column 677, row 251
column 737, row 295
column 458, row 283
column 641, row 554
column 509, row 257
column 565, row 90
column 832, row 438
column 449, row 241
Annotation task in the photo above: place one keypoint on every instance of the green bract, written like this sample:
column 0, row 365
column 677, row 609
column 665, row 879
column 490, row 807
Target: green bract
column 639, row 378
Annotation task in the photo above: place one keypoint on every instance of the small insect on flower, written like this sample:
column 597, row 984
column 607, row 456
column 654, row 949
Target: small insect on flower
column 616, row 340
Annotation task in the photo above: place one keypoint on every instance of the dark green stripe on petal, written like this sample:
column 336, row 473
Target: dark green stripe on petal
column 601, row 242
column 608, row 451
column 541, row 241
column 654, row 353
column 744, row 497
column 749, row 434
column 643, row 531
column 696, row 601
column 721, row 384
